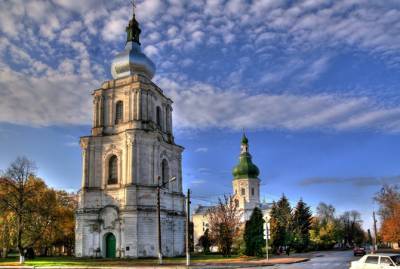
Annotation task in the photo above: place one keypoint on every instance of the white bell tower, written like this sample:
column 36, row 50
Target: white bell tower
column 246, row 184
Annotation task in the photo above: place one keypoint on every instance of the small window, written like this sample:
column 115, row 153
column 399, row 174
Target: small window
column 252, row 191
column 243, row 191
column 113, row 170
column 119, row 109
column 372, row 260
column 236, row 202
column 164, row 171
column 386, row 260
column 158, row 116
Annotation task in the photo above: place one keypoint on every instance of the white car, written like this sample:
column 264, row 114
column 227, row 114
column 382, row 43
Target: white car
column 377, row 261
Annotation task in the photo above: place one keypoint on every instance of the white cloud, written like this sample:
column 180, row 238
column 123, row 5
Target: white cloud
column 48, row 82
column 197, row 181
column 202, row 149
column 151, row 50
column 201, row 106
column 43, row 101
column 113, row 29
column 149, row 9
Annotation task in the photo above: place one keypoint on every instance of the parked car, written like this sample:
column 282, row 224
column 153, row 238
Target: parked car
column 377, row 261
column 359, row 251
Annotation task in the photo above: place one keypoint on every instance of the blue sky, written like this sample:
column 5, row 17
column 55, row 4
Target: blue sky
column 314, row 84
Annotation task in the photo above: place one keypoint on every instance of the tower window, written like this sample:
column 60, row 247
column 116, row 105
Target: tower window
column 119, row 109
column 243, row 191
column 158, row 116
column 113, row 170
column 252, row 191
column 164, row 171
column 236, row 202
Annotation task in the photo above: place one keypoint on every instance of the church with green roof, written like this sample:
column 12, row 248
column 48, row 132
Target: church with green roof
column 246, row 191
column 245, row 183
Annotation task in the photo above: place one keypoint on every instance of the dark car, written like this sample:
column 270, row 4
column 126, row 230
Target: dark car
column 359, row 251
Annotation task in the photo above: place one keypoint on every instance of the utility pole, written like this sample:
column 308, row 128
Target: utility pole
column 376, row 234
column 159, row 186
column 187, row 228
column 159, row 221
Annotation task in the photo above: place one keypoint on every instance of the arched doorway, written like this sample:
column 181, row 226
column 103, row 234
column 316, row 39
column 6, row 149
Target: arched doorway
column 110, row 245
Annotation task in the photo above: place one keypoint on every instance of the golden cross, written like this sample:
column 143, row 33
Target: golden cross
column 133, row 6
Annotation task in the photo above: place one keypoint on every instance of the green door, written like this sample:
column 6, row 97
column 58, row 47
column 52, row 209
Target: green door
column 110, row 245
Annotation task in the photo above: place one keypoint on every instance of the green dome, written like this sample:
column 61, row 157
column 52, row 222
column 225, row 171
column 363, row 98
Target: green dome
column 245, row 168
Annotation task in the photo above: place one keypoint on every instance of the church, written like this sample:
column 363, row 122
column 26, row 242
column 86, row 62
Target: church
column 246, row 192
column 129, row 153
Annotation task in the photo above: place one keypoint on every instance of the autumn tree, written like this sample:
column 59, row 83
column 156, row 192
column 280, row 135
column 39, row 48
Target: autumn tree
column 301, row 224
column 35, row 215
column 325, row 213
column 61, row 224
column 16, row 192
column 389, row 201
column 7, row 232
column 351, row 225
column 205, row 241
column 224, row 223
column 390, row 228
column 253, row 234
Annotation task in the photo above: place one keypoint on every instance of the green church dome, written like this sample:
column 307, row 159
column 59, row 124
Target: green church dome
column 245, row 168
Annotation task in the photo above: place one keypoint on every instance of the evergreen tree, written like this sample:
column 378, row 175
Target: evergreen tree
column 280, row 223
column 301, row 225
column 253, row 234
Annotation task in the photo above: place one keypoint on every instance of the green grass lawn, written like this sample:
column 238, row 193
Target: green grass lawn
column 72, row 261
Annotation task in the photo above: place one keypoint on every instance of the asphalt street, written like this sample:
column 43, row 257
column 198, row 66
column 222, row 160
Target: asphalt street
column 322, row 260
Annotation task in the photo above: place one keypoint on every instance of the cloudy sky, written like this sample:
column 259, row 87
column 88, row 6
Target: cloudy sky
column 315, row 84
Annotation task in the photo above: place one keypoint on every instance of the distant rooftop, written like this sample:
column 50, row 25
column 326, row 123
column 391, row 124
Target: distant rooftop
column 201, row 209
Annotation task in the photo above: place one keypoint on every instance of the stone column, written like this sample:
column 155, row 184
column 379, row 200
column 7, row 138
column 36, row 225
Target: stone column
column 131, row 103
column 128, row 158
column 168, row 119
column 85, row 162
column 94, row 122
column 101, row 105
column 145, row 106
column 90, row 167
column 139, row 104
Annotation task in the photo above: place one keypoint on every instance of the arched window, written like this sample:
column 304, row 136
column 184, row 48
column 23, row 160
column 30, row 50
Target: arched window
column 113, row 170
column 119, row 110
column 158, row 116
column 243, row 191
column 164, row 171
column 236, row 202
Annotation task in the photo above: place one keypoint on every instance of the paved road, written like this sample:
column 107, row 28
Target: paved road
column 322, row 260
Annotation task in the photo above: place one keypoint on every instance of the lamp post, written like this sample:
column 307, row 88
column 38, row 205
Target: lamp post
column 187, row 228
column 159, row 186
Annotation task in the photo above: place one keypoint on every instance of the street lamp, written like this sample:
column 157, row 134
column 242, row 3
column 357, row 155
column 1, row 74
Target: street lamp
column 159, row 186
